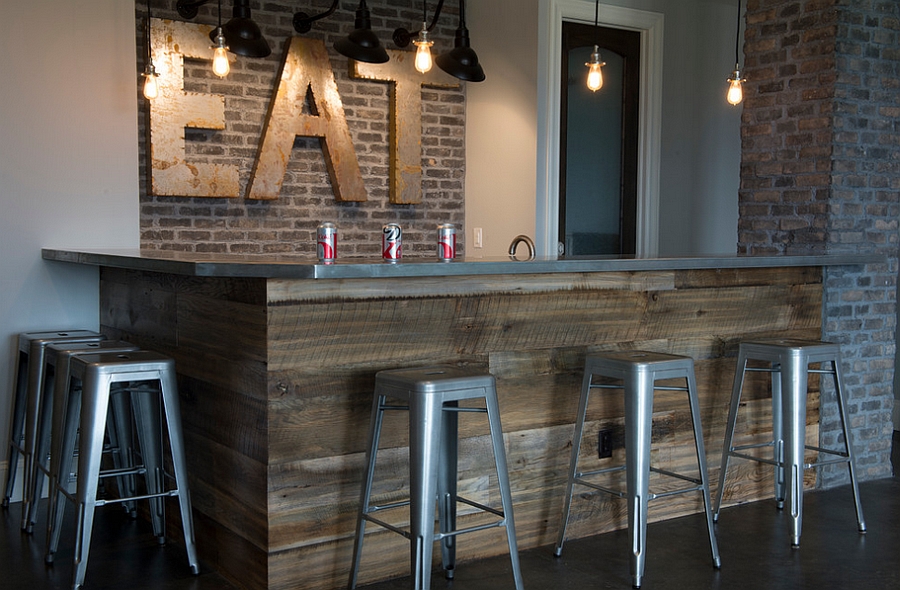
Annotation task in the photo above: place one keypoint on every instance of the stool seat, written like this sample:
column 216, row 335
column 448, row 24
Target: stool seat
column 636, row 373
column 26, row 401
column 148, row 378
column 432, row 397
column 789, row 366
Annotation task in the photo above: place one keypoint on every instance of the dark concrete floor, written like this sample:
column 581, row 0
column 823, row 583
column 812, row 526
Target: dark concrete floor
column 753, row 542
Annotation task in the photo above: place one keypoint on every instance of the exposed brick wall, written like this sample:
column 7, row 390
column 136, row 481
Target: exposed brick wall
column 288, row 224
column 820, row 173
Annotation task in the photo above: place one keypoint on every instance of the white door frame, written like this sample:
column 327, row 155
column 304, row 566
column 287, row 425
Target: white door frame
column 650, row 26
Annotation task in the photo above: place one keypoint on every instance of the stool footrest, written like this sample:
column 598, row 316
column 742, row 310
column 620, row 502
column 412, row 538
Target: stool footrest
column 166, row 494
column 579, row 479
column 367, row 515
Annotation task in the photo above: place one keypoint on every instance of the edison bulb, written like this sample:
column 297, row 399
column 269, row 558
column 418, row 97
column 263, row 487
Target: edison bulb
column 220, row 62
column 735, row 91
column 151, row 87
column 595, row 78
column 423, row 50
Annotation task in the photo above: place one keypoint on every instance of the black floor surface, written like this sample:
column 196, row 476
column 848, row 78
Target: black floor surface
column 754, row 544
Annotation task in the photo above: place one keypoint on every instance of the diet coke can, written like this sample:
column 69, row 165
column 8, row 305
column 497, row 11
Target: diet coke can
column 391, row 244
column 326, row 242
column 446, row 246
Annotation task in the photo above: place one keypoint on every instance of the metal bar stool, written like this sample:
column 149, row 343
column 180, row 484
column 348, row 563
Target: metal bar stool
column 53, row 403
column 27, row 399
column 432, row 396
column 789, row 366
column 147, row 376
column 638, row 372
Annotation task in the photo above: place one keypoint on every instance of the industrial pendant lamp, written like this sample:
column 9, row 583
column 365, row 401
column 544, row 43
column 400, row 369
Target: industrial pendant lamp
column 461, row 62
column 362, row 43
column 220, row 55
column 151, row 88
column 735, row 91
column 242, row 35
column 595, row 74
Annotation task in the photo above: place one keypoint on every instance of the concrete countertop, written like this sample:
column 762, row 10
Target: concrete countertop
column 304, row 267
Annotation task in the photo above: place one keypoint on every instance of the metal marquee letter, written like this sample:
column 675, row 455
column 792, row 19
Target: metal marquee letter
column 306, row 68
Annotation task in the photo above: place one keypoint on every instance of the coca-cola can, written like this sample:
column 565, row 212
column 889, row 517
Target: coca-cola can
column 326, row 242
column 391, row 242
column 446, row 245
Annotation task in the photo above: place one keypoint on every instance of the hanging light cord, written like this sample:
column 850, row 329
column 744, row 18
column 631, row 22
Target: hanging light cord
column 737, row 36
column 149, row 51
column 596, row 22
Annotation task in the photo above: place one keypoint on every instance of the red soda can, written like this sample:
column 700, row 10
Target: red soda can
column 391, row 242
column 326, row 242
column 446, row 246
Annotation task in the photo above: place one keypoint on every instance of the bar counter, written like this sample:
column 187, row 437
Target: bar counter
column 277, row 356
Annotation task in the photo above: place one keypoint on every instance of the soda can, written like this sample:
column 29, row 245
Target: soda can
column 446, row 246
column 391, row 242
column 326, row 242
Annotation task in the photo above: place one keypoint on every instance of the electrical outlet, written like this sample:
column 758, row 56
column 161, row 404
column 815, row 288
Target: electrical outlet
column 477, row 238
column 604, row 444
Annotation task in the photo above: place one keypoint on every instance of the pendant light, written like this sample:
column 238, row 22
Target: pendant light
column 151, row 88
column 423, row 44
column 461, row 62
column 735, row 91
column 595, row 73
column 362, row 43
column 220, row 55
column 242, row 35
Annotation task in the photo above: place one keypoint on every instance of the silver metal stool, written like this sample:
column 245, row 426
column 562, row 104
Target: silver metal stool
column 53, row 402
column 26, row 401
column 789, row 362
column 148, row 377
column 638, row 372
column 432, row 396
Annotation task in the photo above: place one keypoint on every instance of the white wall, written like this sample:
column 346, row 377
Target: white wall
column 700, row 158
column 501, row 124
column 68, row 162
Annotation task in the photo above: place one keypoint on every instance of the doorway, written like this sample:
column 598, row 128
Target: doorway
column 599, row 136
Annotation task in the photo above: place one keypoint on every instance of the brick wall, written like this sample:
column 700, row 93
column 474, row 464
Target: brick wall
column 288, row 224
column 820, row 173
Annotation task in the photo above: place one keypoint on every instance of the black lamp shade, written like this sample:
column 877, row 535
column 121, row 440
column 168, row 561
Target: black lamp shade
column 242, row 35
column 461, row 63
column 362, row 45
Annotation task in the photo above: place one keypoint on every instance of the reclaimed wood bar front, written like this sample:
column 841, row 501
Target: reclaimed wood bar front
column 277, row 358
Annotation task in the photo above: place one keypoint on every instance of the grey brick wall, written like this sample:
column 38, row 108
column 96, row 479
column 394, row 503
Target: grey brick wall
column 820, row 174
column 288, row 224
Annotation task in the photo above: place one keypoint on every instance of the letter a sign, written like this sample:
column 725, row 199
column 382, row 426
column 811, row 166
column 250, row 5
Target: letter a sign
column 306, row 71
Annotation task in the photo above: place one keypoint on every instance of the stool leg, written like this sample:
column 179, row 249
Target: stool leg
column 120, row 436
column 425, row 423
column 375, row 422
column 172, row 407
column 845, row 429
column 493, row 409
column 447, row 485
column 638, row 426
column 95, row 403
column 145, row 405
column 573, row 460
column 16, row 425
column 42, row 447
column 67, row 412
column 701, row 463
column 740, row 367
column 794, row 381
column 33, row 403
column 778, row 433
